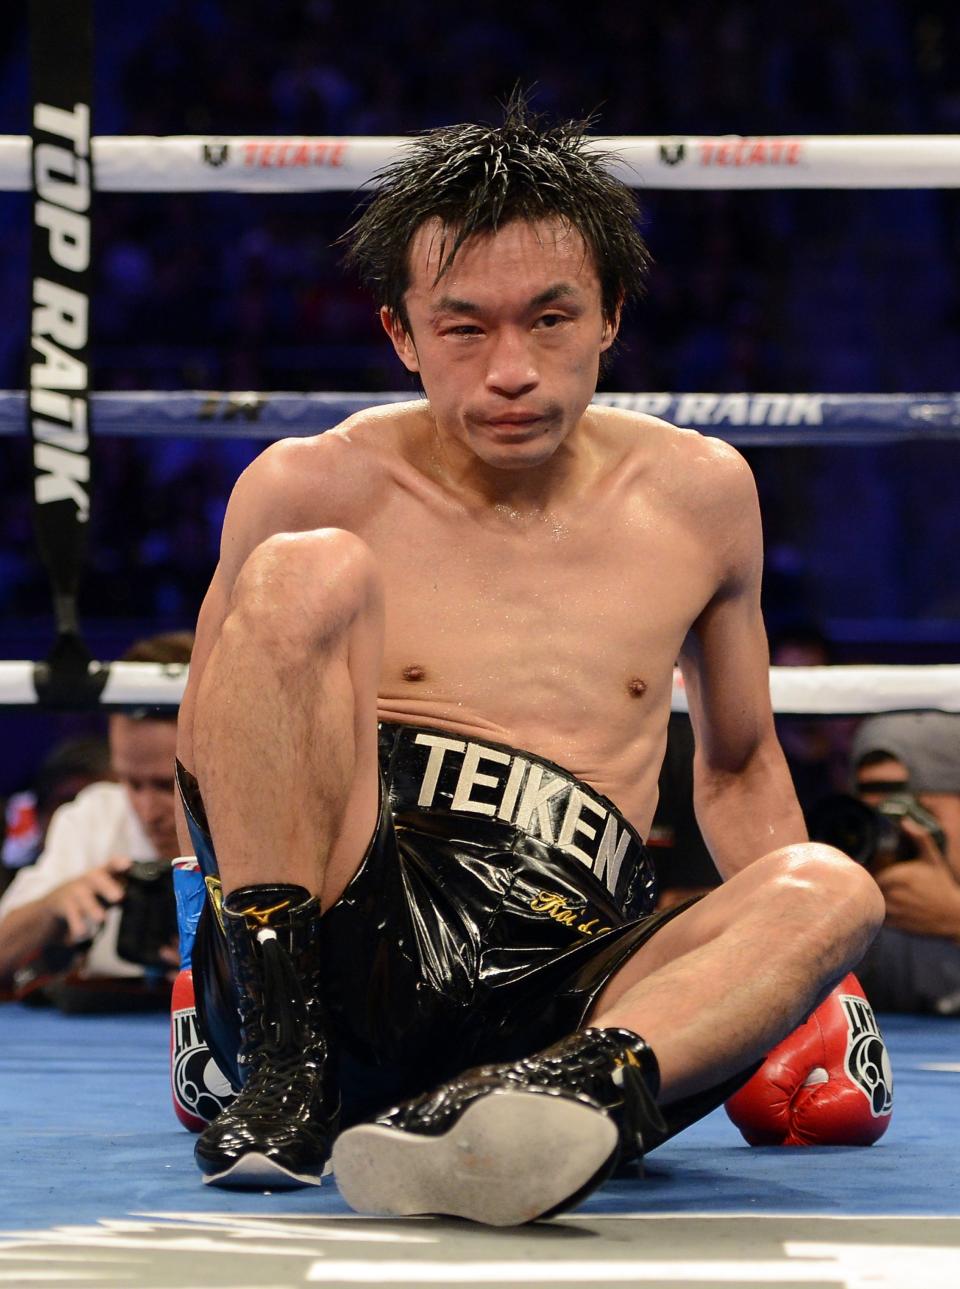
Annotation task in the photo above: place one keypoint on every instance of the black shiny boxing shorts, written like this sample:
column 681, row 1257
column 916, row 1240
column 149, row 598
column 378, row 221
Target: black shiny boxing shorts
column 496, row 899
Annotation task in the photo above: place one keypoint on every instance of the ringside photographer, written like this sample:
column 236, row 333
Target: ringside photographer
column 904, row 825
column 92, row 925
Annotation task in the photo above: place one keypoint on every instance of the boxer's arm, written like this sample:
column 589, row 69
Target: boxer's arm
column 743, row 794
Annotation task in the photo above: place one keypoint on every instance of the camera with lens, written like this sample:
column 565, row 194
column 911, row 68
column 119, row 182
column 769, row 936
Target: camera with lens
column 872, row 835
column 148, row 913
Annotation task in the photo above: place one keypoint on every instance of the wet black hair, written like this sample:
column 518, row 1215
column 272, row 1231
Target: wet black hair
column 476, row 178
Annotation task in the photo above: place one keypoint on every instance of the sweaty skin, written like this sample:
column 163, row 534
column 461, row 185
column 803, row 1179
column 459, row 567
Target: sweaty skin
column 505, row 560
column 532, row 626
column 545, row 563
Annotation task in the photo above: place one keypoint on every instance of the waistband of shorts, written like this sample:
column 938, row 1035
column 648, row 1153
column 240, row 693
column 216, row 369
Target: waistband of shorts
column 436, row 772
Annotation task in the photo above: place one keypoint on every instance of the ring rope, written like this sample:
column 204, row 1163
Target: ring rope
column 748, row 420
column 301, row 163
column 53, row 172
column 809, row 691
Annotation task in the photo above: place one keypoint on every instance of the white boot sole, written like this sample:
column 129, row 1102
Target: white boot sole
column 255, row 1170
column 510, row 1157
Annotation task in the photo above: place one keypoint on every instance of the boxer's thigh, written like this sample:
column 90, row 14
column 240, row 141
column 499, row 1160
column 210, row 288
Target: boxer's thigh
column 770, row 901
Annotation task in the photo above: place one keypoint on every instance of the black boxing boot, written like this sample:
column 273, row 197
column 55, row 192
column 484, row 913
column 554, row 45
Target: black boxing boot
column 505, row 1144
column 279, row 1130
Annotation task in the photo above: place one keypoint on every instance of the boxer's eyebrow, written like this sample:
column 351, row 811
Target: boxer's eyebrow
column 454, row 304
column 550, row 295
column 558, row 291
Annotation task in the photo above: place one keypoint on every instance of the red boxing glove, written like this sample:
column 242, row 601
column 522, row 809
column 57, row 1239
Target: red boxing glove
column 199, row 1090
column 829, row 1083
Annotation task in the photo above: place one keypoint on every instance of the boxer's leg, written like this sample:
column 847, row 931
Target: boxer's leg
column 285, row 748
column 284, row 726
column 710, row 992
column 720, row 985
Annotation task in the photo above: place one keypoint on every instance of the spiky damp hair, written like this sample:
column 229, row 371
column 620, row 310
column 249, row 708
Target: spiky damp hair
column 475, row 179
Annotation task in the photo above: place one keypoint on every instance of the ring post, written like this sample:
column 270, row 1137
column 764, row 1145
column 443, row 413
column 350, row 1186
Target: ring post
column 58, row 377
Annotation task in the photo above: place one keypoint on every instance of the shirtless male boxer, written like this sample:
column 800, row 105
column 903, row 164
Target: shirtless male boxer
column 503, row 576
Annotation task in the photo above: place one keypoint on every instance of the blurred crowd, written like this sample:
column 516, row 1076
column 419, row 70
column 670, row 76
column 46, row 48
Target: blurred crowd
column 764, row 291
column 770, row 291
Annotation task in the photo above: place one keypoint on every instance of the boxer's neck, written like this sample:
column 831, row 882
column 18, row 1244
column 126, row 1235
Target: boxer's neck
column 532, row 492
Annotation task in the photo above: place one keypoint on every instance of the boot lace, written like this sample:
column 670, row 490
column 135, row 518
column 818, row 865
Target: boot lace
column 283, row 1000
column 282, row 1072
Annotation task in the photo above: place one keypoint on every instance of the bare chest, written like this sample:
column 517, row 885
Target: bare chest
column 537, row 627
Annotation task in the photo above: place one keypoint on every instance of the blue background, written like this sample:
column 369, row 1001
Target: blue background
column 773, row 291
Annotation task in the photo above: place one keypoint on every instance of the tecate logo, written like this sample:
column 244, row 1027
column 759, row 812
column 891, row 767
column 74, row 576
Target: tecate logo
column 737, row 151
column 301, row 153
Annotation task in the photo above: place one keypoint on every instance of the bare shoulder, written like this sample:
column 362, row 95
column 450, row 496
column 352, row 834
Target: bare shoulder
column 327, row 479
column 686, row 467
column 330, row 480
column 700, row 489
column 718, row 478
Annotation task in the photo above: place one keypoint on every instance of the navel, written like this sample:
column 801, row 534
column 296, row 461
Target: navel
column 414, row 672
column 636, row 687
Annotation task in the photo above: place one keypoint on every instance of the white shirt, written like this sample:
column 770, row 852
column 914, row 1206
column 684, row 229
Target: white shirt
column 83, row 834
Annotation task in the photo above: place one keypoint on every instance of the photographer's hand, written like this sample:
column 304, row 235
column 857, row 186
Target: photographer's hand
column 82, row 903
column 921, row 894
column 70, row 914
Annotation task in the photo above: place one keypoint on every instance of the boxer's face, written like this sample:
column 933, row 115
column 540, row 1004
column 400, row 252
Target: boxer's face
column 142, row 755
column 508, row 341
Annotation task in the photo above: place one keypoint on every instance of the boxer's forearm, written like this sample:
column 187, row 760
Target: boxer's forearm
column 748, row 812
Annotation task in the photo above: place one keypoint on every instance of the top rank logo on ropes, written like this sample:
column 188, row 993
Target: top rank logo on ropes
column 58, row 382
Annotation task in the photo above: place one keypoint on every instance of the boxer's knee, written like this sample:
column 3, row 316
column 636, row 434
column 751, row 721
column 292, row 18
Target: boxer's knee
column 828, row 891
column 307, row 588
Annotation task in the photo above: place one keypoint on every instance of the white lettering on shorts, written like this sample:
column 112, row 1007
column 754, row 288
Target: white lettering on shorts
column 536, row 795
column 438, row 748
column 469, row 778
column 518, row 791
column 572, row 823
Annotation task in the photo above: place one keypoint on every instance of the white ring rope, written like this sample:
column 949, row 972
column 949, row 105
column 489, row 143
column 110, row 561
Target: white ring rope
column 261, row 163
column 814, row 691
column 197, row 163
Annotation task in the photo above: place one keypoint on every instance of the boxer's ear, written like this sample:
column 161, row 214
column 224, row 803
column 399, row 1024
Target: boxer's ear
column 400, row 338
column 611, row 326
